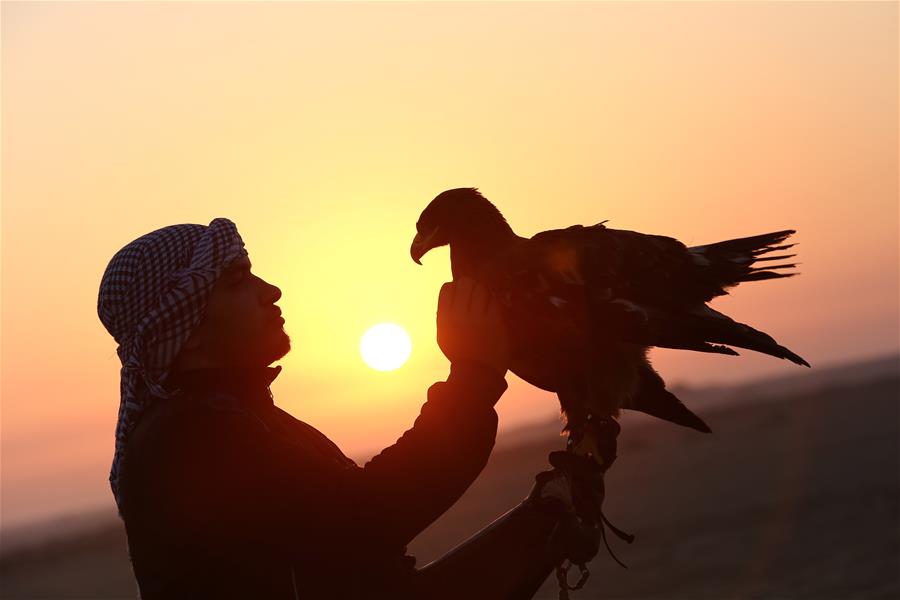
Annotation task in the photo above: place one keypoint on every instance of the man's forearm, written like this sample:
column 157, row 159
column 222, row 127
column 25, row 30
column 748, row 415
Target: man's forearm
column 507, row 560
column 418, row 478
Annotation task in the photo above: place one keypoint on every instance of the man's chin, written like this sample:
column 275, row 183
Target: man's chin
column 282, row 347
column 269, row 350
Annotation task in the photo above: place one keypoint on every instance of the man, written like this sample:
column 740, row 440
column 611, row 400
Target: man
column 225, row 495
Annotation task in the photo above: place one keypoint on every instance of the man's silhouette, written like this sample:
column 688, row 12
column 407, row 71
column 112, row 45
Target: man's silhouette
column 225, row 495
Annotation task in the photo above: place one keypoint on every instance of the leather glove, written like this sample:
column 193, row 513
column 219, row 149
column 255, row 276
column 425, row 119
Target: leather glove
column 574, row 489
column 470, row 325
column 576, row 481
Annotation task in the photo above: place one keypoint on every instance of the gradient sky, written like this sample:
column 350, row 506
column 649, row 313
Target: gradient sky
column 323, row 130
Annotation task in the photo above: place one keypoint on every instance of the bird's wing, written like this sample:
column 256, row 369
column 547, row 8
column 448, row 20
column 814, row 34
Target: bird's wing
column 597, row 279
column 626, row 286
column 541, row 286
column 661, row 271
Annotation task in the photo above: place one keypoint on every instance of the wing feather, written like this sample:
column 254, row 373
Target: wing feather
column 620, row 285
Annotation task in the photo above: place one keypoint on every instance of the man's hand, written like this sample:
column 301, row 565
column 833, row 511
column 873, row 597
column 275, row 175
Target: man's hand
column 470, row 325
column 574, row 486
column 576, row 482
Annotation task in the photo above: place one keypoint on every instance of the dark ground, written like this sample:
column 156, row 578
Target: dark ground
column 796, row 496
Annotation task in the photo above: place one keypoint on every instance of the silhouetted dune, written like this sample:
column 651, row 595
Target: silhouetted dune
column 796, row 496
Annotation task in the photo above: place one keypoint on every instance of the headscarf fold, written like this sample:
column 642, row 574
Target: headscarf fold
column 152, row 296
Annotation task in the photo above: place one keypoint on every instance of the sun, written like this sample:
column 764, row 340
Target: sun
column 385, row 346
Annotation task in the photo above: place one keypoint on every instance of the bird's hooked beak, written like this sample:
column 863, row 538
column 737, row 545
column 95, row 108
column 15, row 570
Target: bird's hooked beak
column 421, row 245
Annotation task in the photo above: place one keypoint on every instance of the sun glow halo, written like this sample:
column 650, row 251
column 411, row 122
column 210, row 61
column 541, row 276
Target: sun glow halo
column 385, row 346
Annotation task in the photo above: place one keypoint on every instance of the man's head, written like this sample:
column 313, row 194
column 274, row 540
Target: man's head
column 241, row 326
column 183, row 297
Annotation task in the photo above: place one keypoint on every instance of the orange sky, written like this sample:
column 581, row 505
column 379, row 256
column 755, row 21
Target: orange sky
column 322, row 130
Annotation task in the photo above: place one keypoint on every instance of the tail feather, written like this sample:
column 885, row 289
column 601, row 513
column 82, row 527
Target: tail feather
column 654, row 399
column 753, row 243
column 717, row 327
column 685, row 343
column 779, row 257
column 725, row 264
column 761, row 275
column 770, row 267
column 772, row 248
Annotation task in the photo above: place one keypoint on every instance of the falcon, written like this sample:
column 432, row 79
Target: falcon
column 584, row 304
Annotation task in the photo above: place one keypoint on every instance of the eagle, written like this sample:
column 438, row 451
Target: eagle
column 583, row 305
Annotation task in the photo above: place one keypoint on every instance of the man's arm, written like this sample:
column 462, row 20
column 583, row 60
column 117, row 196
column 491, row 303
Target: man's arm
column 413, row 482
column 280, row 492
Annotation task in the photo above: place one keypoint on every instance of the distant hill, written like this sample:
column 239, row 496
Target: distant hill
column 804, row 381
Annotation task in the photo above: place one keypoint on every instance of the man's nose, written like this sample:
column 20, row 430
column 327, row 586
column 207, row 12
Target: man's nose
column 271, row 293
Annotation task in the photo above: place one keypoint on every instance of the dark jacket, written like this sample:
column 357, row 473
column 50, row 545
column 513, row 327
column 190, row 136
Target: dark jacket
column 225, row 495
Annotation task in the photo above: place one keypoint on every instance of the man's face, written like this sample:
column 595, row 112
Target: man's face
column 241, row 325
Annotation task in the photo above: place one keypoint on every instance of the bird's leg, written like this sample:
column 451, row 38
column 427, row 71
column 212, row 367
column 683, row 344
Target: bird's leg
column 572, row 402
column 597, row 432
column 591, row 450
column 598, row 440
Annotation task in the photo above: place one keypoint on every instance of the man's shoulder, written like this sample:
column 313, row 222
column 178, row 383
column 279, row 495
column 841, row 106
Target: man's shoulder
column 184, row 440
column 318, row 440
column 189, row 417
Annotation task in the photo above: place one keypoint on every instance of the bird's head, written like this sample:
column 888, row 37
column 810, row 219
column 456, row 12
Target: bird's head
column 459, row 216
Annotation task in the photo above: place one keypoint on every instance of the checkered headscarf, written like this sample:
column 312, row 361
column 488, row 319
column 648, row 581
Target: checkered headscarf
column 152, row 296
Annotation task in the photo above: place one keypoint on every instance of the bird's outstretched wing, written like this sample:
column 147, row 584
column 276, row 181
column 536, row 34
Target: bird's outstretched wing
column 645, row 289
column 602, row 280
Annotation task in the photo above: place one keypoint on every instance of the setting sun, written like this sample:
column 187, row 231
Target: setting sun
column 385, row 346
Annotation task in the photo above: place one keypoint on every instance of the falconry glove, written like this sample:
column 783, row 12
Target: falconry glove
column 574, row 490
